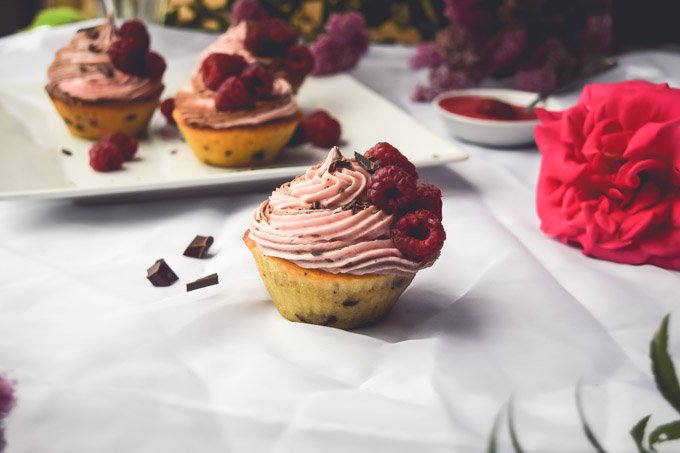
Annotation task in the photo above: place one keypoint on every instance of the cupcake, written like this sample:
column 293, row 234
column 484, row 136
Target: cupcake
column 271, row 43
column 234, row 113
column 106, row 80
column 338, row 245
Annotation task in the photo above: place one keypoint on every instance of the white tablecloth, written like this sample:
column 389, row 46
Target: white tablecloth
column 105, row 362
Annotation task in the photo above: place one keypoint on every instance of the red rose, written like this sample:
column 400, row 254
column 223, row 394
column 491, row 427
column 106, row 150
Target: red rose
column 610, row 173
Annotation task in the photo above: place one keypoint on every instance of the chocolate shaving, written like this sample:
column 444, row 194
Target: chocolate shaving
column 104, row 69
column 198, row 248
column 316, row 205
column 208, row 280
column 339, row 163
column 160, row 274
column 94, row 49
column 66, row 152
column 355, row 206
column 366, row 163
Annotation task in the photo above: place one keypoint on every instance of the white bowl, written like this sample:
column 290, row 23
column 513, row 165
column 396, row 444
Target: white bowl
column 492, row 132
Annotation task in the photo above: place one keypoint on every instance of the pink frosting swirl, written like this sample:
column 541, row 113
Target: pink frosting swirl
column 83, row 69
column 321, row 221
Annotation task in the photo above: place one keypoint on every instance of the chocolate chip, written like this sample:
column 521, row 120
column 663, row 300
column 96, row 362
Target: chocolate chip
column 198, row 248
column 355, row 206
column 131, row 117
column 228, row 153
column 316, row 252
column 160, row 274
column 349, row 302
column 94, row 49
column 104, row 69
column 208, row 280
column 330, row 320
column 66, row 152
column 366, row 163
column 398, row 282
column 316, row 205
column 259, row 155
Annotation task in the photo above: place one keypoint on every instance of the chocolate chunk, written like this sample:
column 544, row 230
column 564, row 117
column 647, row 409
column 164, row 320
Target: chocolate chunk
column 104, row 69
column 355, row 206
column 367, row 164
column 316, row 252
column 199, row 246
column 259, row 155
column 66, row 152
column 131, row 117
column 330, row 320
column 338, row 163
column 94, row 49
column 160, row 274
column 349, row 302
column 208, row 280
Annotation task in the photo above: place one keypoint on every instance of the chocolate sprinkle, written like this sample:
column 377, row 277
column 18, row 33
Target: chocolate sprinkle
column 208, row 280
column 339, row 163
column 367, row 164
column 104, row 69
column 198, row 248
column 355, row 206
column 94, row 49
column 66, row 152
column 160, row 274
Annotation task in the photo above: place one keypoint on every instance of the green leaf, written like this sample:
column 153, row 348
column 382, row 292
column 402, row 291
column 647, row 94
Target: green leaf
column 662, row 366
column 638, row 433
column 57, row 16
column 492, row 446
column 586, row 428
column 511, row 427
column 664, row 433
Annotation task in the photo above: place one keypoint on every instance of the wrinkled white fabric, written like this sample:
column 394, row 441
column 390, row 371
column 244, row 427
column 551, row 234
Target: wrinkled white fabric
column 105, row 362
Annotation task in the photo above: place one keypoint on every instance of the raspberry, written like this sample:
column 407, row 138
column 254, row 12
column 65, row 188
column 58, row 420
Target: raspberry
column 419, row 235
column 299, row 61
column 387, row 154
column 232, row 95
column 260, row 43
column 392, row 189
column 136, row 30
column 321, row 129
column 154, row 65
column 218, row 66
column 105, row 156
column 126, row 56
column 167, row 106
column 126, row 145
column 428, row 197
column 280, row 34
column 258, row 80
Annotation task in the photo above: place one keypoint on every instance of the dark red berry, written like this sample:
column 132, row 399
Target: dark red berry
column 167, row 107
column 280, row 34
column 428, row 197
column 387, row 154
column 126, row 145
column 217, row 67
column 154, row 65
column 126, row 56
column 392, row 189
column 105, row 156
column 419, row 235
column 299, row 61
column 258, row 80
column 260, row 43
column 232, row 94
column 136, row 31
column 321, row 129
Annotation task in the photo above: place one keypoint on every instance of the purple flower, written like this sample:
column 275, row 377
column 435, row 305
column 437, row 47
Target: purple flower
column 247, row 10
column 6, row 405
column 541, row 80
column 511, row 46
column 444, row 79
column 427, row 56
column 344, row 42
column 597, row 37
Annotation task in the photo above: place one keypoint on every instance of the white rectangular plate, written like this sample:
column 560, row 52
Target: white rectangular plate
column 33, row 165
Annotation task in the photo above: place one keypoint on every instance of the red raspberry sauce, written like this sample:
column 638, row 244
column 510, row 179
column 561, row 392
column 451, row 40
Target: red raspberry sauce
column 485, row 108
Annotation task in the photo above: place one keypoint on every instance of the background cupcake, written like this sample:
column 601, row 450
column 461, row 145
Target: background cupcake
column 106, row 80
column 235, row 114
